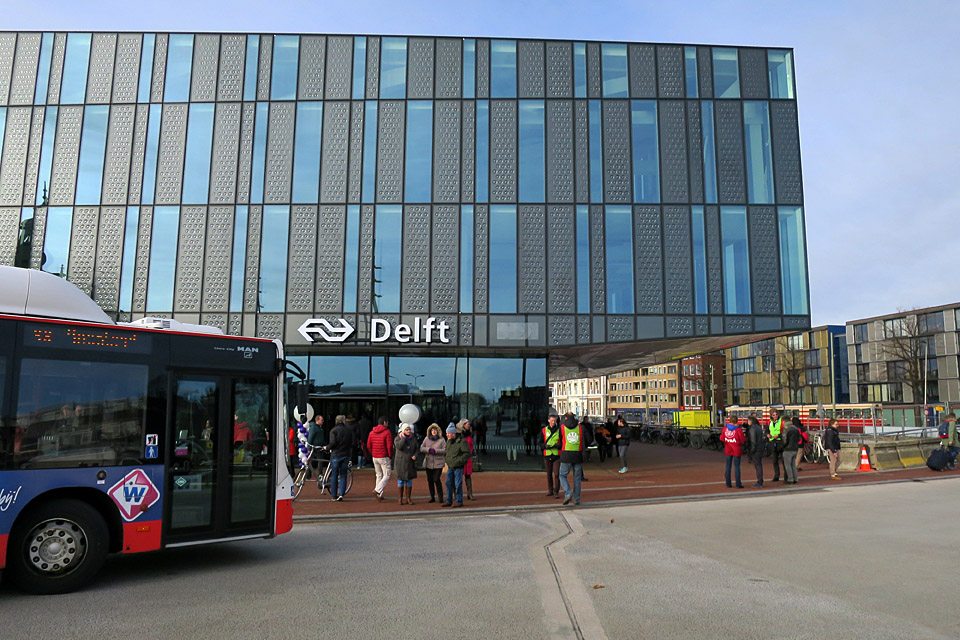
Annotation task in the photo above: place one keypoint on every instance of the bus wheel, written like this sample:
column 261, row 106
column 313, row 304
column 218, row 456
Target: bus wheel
column 57, row 547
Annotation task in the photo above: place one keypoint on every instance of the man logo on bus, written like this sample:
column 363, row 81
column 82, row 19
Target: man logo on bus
column 134, row 494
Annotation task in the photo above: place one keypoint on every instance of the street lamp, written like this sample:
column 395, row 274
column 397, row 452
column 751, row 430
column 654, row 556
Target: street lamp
column 415, row 377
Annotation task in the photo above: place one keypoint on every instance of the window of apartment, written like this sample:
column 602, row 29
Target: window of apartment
column 863, row 373
column 672, row 384
column 895, row 327
column 795, row 342
column 860, row 332
column 738, row 381
column 858, row 353
column 756, row 396
column 756, row 133
column 780, row 67
column 814, row 376
column 745, row 365
column 690, row 71
column 768, row 363
column 930, row 322
column 812, row 358
column 672, row 369
column 726, row 74
column 762, row 348
column 896, row 370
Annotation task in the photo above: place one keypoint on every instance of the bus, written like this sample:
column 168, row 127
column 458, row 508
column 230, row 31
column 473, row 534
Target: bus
column 127, row 438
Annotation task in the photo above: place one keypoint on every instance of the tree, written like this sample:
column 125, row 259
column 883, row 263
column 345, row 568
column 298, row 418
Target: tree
column 791, row 366
column 905, row 343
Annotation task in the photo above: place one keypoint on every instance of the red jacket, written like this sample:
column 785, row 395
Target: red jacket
column 733, row 440
column 380, row 442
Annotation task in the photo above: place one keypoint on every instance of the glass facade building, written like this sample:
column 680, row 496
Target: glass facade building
column 545, row 200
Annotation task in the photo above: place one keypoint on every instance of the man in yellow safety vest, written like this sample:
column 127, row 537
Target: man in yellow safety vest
column 550, row 443
column 573, row 440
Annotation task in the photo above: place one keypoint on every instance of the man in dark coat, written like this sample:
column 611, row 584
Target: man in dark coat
column 342, row 443
column 458, row 452
column 758, row 445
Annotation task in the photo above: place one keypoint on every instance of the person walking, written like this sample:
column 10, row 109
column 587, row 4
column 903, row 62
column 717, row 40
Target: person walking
column 791, row 444
column 758, row 446
column 953, row 446
column 623, row 442
column 550, row 443
column 467, row 431
column 733, row 440
column 776, row 438
column 480, row 429
column 602, row 436
column 341, row 446
column 404, row 462
column 380, row 445
column 354, row 427
column 831, row 442
column 316, row 437
column 456, row 458
column 572, row 443
column 434, row 447
column 804, row 440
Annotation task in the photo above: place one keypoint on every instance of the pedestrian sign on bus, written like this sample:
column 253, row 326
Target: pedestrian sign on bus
column 150, row 453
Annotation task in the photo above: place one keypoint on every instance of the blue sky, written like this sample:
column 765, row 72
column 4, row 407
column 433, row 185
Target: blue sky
column 877, row 85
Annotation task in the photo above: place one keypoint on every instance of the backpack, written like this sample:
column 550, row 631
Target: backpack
column 944, row 430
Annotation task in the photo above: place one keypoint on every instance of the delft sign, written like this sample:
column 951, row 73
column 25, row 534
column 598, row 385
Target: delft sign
column 423, row 331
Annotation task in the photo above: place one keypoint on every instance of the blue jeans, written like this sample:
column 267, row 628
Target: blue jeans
column 338, row 471
column 577, row 478
column 455, row 483
column 953, row 451
column 735, row 461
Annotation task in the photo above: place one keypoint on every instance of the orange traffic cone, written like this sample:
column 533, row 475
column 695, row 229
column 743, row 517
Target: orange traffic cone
column 864, row 460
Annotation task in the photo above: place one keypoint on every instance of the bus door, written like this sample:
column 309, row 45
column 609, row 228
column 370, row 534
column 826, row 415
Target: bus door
column 220, row 475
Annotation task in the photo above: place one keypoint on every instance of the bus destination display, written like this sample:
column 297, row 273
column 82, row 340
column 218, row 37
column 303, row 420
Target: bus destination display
column 86, row 338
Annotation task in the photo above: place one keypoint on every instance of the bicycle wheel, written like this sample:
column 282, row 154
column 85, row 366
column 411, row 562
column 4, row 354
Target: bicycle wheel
column 668, row 438
column 298, row 483
column 696, row 441
column 349, row 480
column 683, row 439
column 654, row 437
column 808, row 454
column 323, row 476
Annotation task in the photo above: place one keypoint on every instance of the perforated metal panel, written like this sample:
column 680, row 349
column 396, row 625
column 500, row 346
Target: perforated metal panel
column 355, row 170
column 279, row 152
column 764, row 260
column 445, row 259
column 330, row 243
column 753, row 74
column 8, row 47
column 598, row 263
column 336, row 139
column 173, row 142
column 216, row 268
column 56, row 67
column 737, row 324
column 670, row 75
column 420, row 68
column 226, row 146
column 313, row 54
column 679, row 326
column 796, row 322
column 503, row 151
column 301, row 265
column 483, row 68
column 373, row 68
column 694, row 151
column 559, row 151
column 415, row 292
column 481, row 252
column 339, row 67
column 786, row 152
column 531, row 262
column 137, row 151
column 39, row 229
column 263, row 70
column 530, row 69
column 583, row 330
column 701, row 326
column 365, row 263
column 244, row 166
column 714, row 264
column 561, row 255
column 581, row 142
column 159, row 67
column 251, row 278
column 235, row 324
column 270, row 326
column 649, row 259
column 203, row 80
column 190, row 273
column 83, row 242
column 678, row 276
column 9, row 230
column 620, row 328
column 643, row 70
column 562, row 330
column 594, row 74
column 617, row 175
column 465, row 330
column 673, row 151
column 705, row 71
column 731, row 181
column 25, row 68
column 233, row 51
column 103, row 48
column 66, row 154
column 559, row 70
column 449, row 62
column 218, row 320
column 390, row 151
column 126, row 69
column 33, row 157
column 116, row 166
column 14, row 160
column 468, row 158
column 446, row 161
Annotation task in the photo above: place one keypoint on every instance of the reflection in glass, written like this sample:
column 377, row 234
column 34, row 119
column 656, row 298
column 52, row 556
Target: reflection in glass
column 56, row 240
column 469, row 68
column 330, row 374
column 163, row 258
column 699, row 259
column 596, row 153
column 483, row 150
column 419, row 147
column 756, row 133
column 503, row 69
column 93, row 143
column 259, row 152
column 532, row 151
column 146, row 67
column 614, row 70
column 250, row 69
column 393, row 68
column 196, row 169
column 46, row 151
column 646, row 159
column 150, row 157
column 306, row 151
column 780, row 67
column 388, row 235
column 359, row 67
column 283, row 76
column 619, row 258
column 793, row 261
column 176, row 82
column 736, row 261
column 273, row 259
column 74, row 84
column 726, row 74
column 579, row 70
column 709, row 154
column 43, row 69
column 370, row 151
column 466, row 258
column 690, row 71
column 125, row 302
column 583, row 259
column 351, row 259
column 239, row 256
column 503, row 259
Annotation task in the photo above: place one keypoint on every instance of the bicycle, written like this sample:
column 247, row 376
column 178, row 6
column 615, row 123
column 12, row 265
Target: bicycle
column 323, row 468
column 814, row 451
column 668, row 436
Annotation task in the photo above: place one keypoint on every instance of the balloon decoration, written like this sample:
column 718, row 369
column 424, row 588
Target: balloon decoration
column 302, row 451
column 409, row 413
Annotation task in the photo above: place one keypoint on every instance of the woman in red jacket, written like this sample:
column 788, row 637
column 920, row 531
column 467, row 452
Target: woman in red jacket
column 733, row 440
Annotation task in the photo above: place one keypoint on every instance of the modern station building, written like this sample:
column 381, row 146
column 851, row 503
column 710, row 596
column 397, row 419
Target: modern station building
column 442, row 220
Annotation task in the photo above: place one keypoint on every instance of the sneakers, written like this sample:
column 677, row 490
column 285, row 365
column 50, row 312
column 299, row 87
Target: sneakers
column 835, row 477
column 567, row 499
column 339, row 498
column 623, row 470
column 758, row 486
column 446, row 504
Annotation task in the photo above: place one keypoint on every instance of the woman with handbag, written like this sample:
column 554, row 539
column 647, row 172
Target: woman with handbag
column 404, row 462
column 464, row 427
column 434, row 448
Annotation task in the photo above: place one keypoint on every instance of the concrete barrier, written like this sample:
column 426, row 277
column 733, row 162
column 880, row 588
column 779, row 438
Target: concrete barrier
column 910, row 453
column 927, row 446
column 884, row 456
column 849, row 456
